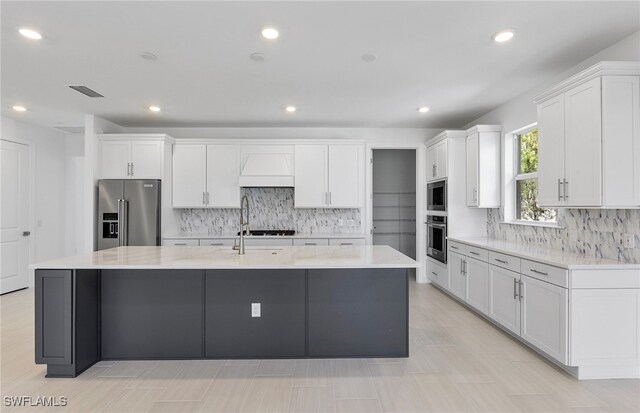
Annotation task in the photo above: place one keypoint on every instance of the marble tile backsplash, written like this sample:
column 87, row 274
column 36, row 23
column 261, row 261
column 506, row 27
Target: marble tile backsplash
column 270, row 208
column 594, row 232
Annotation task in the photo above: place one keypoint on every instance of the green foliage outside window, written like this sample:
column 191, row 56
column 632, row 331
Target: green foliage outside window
column 527, row 188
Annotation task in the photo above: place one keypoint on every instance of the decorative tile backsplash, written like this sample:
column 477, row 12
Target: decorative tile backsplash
column 594, row 232
column 270, row 208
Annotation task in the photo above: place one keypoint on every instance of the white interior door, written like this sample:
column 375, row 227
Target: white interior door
column 14, row 216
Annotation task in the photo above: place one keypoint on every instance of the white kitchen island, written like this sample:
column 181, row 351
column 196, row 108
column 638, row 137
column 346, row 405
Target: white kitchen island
column 131, row 303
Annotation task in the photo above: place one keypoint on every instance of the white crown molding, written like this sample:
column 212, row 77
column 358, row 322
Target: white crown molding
column 445, row 134
column 606, row 68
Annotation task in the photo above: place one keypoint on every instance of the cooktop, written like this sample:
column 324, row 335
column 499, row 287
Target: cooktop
column 278, row 232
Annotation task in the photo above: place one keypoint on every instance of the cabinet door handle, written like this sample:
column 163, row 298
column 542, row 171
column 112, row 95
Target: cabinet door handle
column 520, row 293
column 131, row 168
column 502, row 261
column 453, row 247
column 566, row 189
column 559, row 191
column 539, row 272
column 346, row 243
column 128, row 168
column 515, row 291
column 474, row 253
column 434, row 273
column 310, row 243
column 217, row 244
column 329, row 197
column 204, row 198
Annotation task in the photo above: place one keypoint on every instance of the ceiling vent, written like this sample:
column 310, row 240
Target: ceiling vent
column 86, row 91
column 70, row 129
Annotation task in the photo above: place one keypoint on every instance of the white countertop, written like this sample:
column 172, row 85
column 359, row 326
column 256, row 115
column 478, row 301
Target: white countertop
column 299, row 236
column 181, row 257
column 548, row 256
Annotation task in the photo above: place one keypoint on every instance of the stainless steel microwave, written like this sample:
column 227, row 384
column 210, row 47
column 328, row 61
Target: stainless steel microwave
column 437, row 196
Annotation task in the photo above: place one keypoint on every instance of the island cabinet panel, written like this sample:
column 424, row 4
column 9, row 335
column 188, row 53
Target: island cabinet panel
column 67, row 308
column 152, row 314
column 357, row 313
column 230, row 329
column 54, row 296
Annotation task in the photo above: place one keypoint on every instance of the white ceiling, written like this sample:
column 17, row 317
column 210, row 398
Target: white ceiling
column 438, row 54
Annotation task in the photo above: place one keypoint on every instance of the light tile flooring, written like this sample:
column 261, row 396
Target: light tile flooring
column 458, row 363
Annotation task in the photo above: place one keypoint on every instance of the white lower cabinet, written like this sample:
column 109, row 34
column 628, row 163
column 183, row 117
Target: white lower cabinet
column 438, row 273
column 181, row 242
column 457, row 282
column 346, row 241
column 477, row 284
column 310, row 241
column 504, row 303
column 544, row 317
column 217, row 242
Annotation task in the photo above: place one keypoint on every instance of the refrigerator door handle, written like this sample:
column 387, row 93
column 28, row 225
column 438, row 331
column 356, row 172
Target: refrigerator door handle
column 123, row 223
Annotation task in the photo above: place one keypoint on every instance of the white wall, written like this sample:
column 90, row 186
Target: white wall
column 49, row 179
column 521, row 111
column 74, row 193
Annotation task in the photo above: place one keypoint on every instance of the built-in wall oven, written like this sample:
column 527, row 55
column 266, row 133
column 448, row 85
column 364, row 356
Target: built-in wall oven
column 437, row 196
column 437, row 238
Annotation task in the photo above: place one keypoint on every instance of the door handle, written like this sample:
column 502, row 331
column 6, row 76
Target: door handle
column 26, row 233
column 566, row 189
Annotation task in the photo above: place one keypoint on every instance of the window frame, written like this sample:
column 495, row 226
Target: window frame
column 515, row 211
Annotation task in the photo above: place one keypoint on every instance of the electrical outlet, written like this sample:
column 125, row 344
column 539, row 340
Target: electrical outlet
column 628, row 241
column 255, row 310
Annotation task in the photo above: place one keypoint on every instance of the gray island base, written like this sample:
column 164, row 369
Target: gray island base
column 84, row 315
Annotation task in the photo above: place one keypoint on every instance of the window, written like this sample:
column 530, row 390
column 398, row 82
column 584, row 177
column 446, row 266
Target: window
column 526, row 179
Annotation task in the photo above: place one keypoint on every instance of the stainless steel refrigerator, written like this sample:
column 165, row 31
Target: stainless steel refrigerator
column 128, row 212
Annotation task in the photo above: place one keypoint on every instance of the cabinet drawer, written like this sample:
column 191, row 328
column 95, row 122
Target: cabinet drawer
column 268, row 242
column 184, row 242
column 310, row 241
column 217, row 242
column 477, row 253
column 504, row 261
column 456, row 247
column 346, row 241
column 548, row 273
column 438, row 274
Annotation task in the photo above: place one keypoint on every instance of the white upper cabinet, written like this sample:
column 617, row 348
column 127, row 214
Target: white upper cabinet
column 223, row 173
column 582, row 140
column 206, row 176
column 310, row 165
column 621, row 140
column 115, row 159
column 131, row 156
column 551, row 151
column 189, row 176
column 437, row 161
column 345, row 175
column 146, row 159
column 483, row 166
column 589, row 139
column 328, row 176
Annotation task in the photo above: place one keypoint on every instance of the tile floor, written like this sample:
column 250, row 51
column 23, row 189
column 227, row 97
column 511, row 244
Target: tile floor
column 458, row 363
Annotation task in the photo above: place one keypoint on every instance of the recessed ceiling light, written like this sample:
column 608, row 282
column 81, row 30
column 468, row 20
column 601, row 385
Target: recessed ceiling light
column 503, row 36
column 19, row 108
column 149, row 56
column 423, row 109
column 270, row 33
column 154, row 108
column 31, row 34
column 290, row 109
column 257, row 57
column 368, row 57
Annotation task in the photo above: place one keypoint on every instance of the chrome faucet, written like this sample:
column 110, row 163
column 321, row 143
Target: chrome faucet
column 244, row 225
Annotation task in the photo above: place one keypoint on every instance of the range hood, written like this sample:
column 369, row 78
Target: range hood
column 267, row 170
